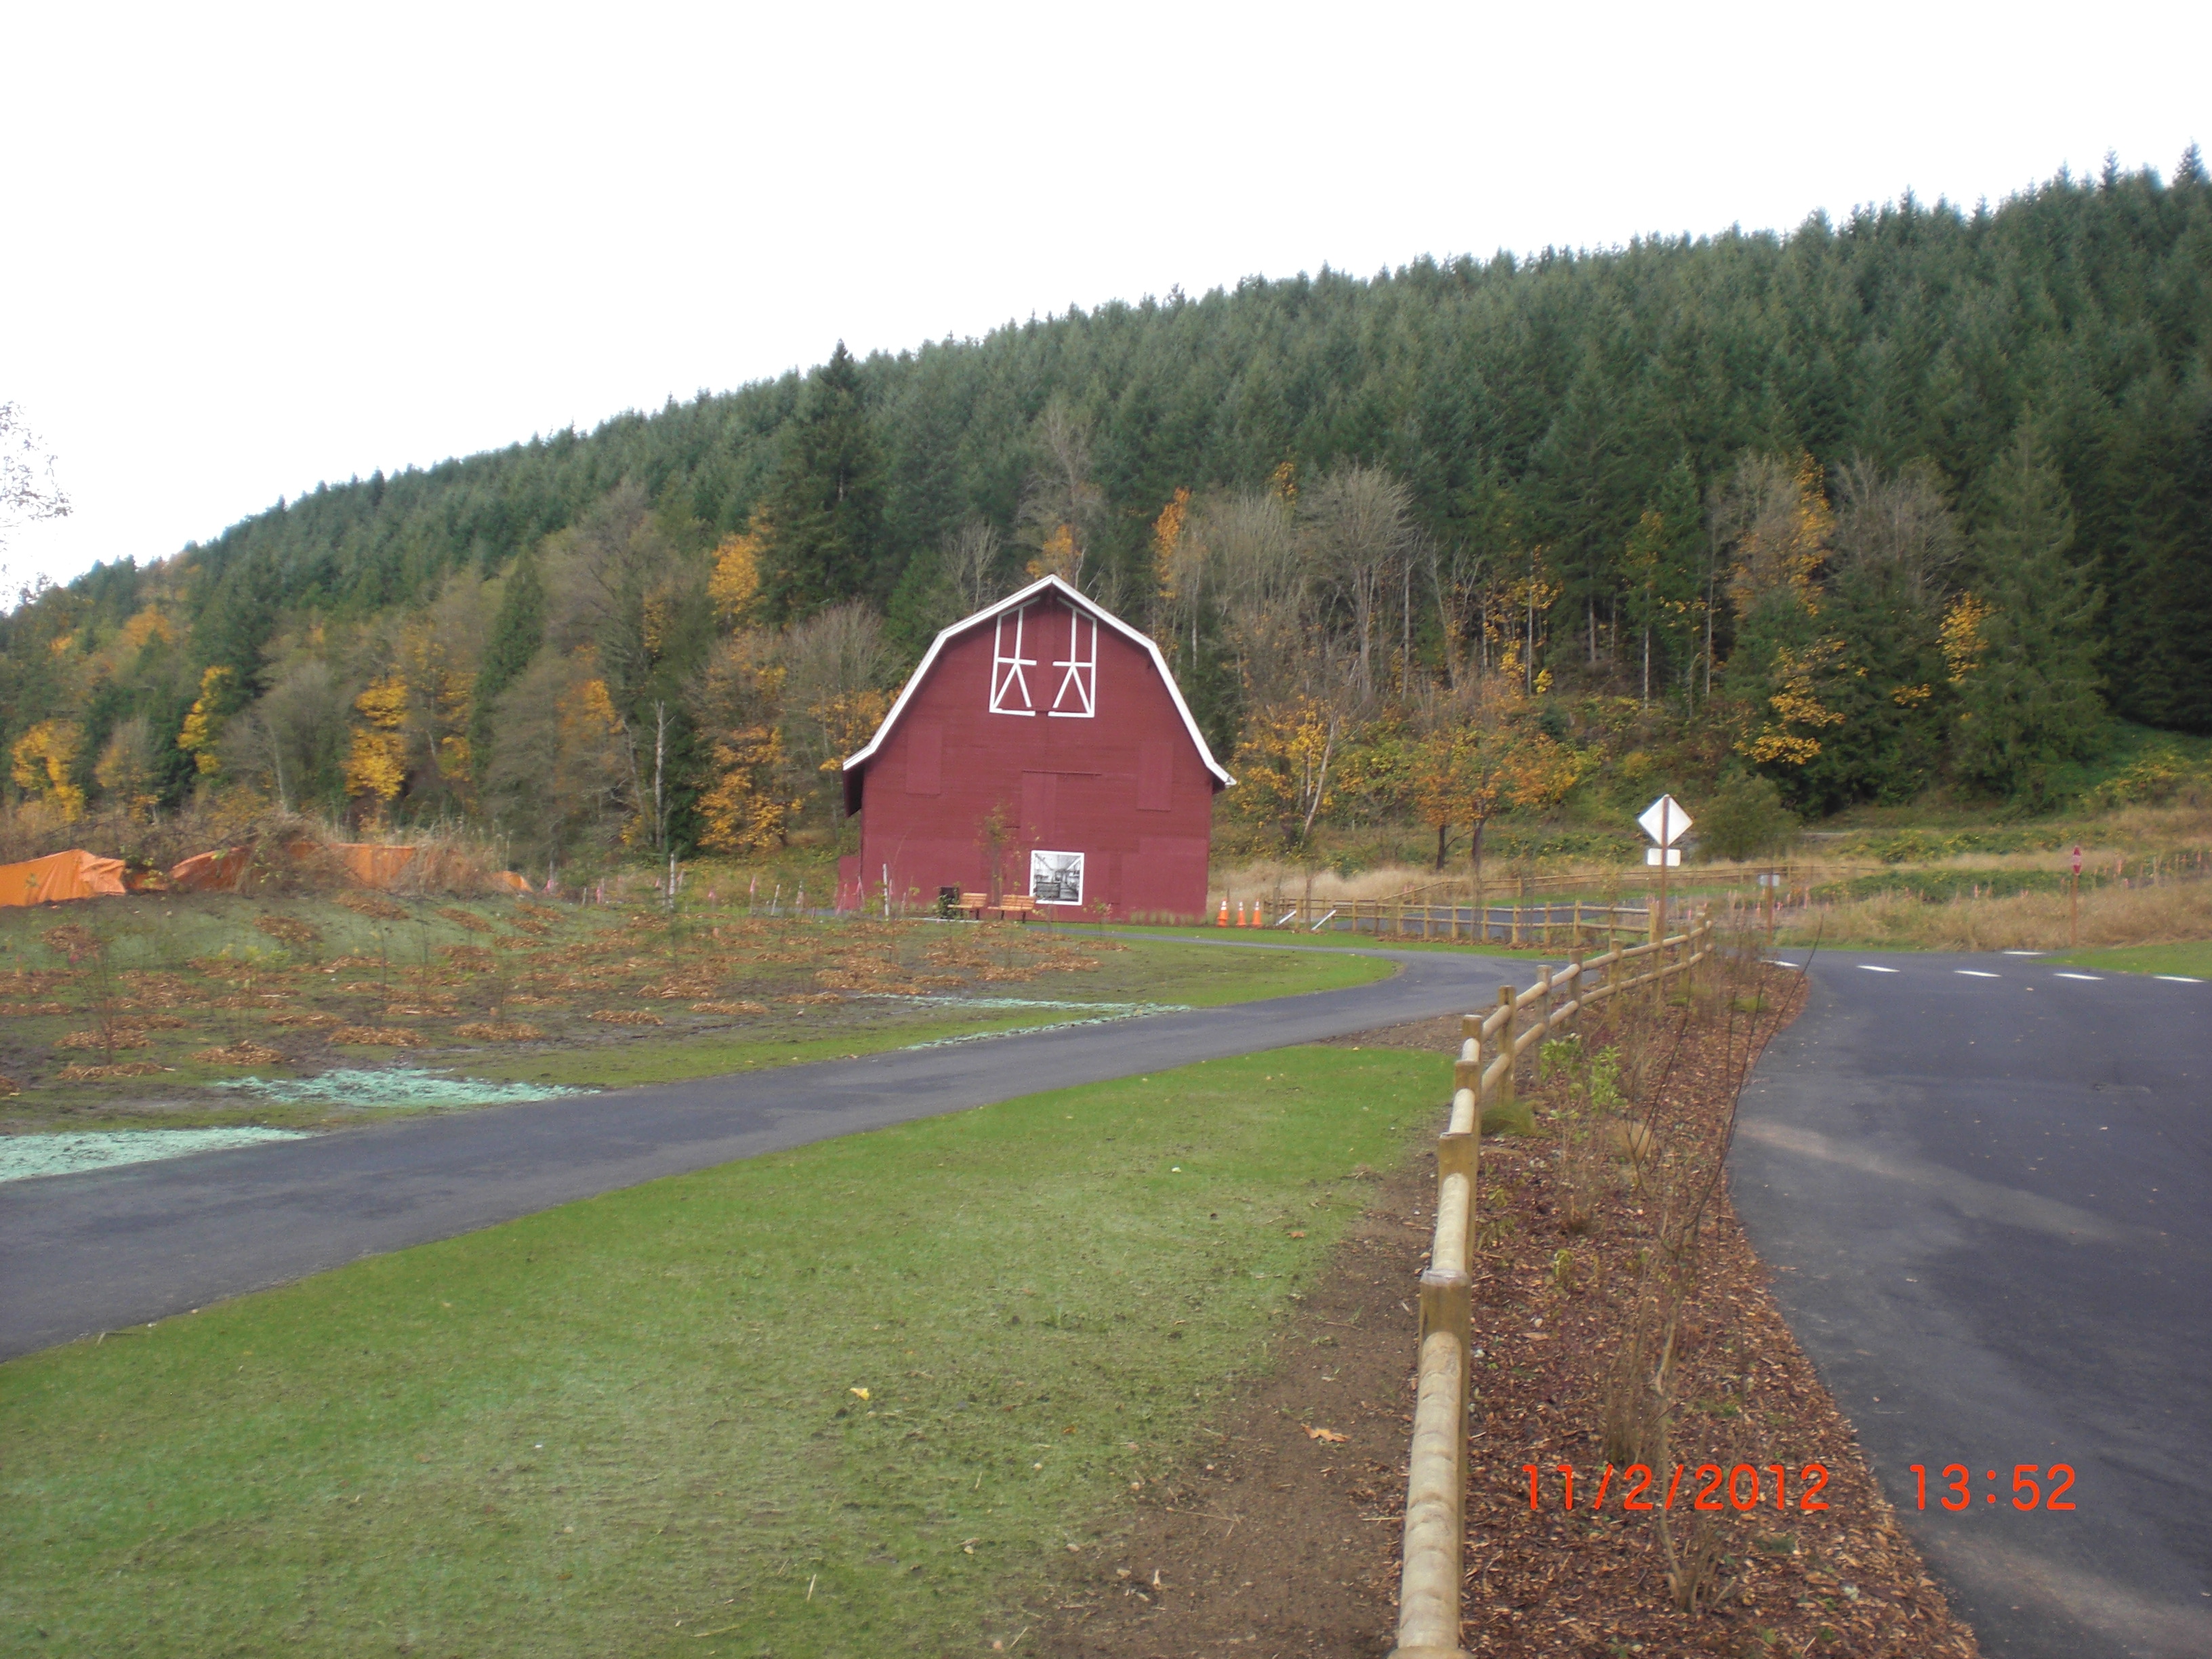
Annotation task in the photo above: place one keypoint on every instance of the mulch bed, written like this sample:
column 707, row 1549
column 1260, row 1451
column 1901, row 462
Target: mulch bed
column 1275, row 1542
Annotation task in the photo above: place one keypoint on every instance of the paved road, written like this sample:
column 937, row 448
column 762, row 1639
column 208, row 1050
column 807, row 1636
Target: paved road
column 1986, row 1184
column 101, row 1250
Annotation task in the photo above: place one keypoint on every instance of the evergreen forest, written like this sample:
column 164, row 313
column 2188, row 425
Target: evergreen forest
column 1917, row 503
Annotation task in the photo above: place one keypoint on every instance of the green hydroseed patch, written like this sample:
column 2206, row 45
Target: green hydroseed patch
column 902, row 1371
column 23, row 1157
column 400, row 1089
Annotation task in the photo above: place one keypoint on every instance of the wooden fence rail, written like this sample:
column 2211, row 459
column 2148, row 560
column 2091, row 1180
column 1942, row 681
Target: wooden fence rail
column 1567, row 922
column 1490, row 1051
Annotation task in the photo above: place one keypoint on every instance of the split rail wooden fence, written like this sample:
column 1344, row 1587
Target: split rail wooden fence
column 1489, row 1053
column 1566, row 921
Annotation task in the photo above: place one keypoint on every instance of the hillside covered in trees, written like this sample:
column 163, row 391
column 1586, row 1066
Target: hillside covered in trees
column 1919, row 501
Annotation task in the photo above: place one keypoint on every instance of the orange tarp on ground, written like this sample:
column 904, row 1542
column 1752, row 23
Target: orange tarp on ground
column 372, row 864
column 219, row 869
column 72, row 875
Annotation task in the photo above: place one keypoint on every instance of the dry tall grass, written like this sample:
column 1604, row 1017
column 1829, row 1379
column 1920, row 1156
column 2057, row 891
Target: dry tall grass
column 451, row 861
column 34, row 829
column 2163, row 913
column 1500, row 880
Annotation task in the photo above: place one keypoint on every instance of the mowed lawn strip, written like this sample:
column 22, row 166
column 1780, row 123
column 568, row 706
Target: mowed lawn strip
column 2190, row 961
column 611, row 1427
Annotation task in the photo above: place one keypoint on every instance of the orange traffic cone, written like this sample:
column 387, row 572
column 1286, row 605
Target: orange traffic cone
column 1240, row 913
column 1222, row 920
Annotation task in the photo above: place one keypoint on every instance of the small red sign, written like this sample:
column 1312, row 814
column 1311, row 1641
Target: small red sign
column 2077, row 861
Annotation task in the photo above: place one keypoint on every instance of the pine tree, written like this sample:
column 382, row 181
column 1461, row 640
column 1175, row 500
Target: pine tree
column 825, row 512
column 1658, row 574
column 2028, row 688
column 516, row 633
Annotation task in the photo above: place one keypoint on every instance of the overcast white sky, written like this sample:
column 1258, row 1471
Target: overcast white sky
column 246, row 249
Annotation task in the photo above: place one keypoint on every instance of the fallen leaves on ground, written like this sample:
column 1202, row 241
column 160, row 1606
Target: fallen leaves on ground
column 119, row 1039
column 376, row 1036
column 244, row 1052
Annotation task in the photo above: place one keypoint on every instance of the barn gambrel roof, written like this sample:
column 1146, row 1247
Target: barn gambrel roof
column 1014, row 602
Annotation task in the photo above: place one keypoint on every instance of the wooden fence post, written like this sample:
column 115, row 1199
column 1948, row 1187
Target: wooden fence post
column 1505, row 1044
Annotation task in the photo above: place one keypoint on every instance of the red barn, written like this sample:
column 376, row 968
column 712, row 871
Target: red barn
column 1060, row 720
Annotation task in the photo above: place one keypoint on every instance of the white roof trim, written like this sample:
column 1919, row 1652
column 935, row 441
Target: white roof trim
column 1014, row 601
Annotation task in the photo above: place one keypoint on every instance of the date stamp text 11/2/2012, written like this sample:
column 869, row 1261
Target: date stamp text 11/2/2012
column 1745, row 1487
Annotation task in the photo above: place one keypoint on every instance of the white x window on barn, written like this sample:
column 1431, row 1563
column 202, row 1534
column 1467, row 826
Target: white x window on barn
column 1077, row 697
column 1010, row 688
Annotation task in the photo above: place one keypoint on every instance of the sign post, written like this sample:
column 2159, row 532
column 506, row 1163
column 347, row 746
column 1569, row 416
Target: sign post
column 1664, row 821
column 2074, row 901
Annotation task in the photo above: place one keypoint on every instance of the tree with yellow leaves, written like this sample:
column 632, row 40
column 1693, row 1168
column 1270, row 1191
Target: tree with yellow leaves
column 1285, row 767
column 45, row 764
column 1467, row 771
column 734, row 588
column 1058, row 555
column 1961, row 635
column 376, row 761
column 746, row 809
column 1775, row 522
column 753, row 786
column 203, row 720
column 1168, row 577
column 1795, row 714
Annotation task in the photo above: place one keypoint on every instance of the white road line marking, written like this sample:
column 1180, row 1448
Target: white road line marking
column 1871, row 968
column 2098, row 978
column 2024, row 953
column 2178, row 978
column 1976, row 973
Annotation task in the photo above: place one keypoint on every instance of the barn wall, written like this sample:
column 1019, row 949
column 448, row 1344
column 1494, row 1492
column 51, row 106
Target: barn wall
column 1125, row 788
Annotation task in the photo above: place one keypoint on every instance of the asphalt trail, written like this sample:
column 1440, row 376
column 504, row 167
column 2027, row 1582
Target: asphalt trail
column 98, row 1250
column 1985, row 1184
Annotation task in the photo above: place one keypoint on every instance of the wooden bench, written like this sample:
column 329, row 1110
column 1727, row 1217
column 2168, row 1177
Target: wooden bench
column 1020, row 907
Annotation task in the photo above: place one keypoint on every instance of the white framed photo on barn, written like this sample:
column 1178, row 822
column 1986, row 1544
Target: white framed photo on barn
column 1056, row 877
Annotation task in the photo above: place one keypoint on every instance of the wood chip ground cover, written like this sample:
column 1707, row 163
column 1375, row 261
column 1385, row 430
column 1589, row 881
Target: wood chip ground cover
column 133, row 1016
column 1274, row 1540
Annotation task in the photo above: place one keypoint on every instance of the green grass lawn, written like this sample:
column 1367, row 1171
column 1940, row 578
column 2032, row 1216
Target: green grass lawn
column 634, row 1426
column 2194, row 960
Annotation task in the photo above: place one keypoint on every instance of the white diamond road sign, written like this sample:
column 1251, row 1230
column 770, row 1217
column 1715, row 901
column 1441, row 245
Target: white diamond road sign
column 1664, row 820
